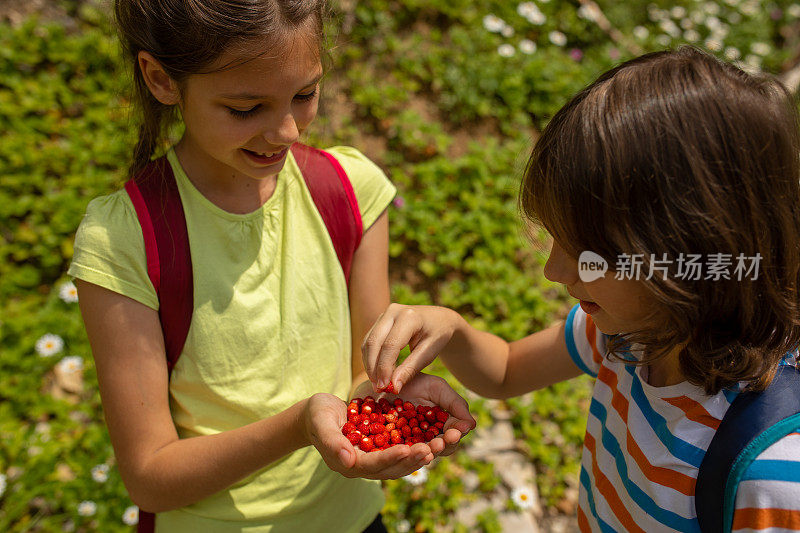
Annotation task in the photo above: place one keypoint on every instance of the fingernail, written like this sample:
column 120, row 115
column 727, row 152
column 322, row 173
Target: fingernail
column 344, row 455
column 397, row 385
column 381, row 384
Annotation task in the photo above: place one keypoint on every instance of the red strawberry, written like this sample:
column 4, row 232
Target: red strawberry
column 363, row 427
column 401, row 422
column 390, row 426
column 430, row 435
column 352, row 412
column 430, row 416
column 366, row 409
column 398, row 402
column 377, row 428
column 380, row 440
column 439, row 425
column 408, row 406
column 388, row 388
column 366, row 444
column 354, row 437
column 424, row 425
column 406, row 431
column 348, row 428
column 413, row 422
column 442, row 416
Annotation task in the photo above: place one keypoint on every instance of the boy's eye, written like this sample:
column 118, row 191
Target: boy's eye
column 239, row 113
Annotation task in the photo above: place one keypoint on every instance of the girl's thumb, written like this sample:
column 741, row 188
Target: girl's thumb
column 344, row 457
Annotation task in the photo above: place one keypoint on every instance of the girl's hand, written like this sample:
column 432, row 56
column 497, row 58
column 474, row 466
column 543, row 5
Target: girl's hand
column 324, row 416
column 426, row 329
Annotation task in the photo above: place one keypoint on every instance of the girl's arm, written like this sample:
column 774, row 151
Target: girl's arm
column 161, row 471
column 483, row 362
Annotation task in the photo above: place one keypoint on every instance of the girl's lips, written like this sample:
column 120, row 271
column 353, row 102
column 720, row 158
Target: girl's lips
column 264, row 160
column 589, row 307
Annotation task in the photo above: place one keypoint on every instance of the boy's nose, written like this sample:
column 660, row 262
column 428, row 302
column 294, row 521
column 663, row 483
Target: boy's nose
column 560, row 267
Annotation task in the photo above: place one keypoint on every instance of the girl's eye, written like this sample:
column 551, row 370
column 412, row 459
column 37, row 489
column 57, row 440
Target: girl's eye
column 238, row 113
column 307, row 96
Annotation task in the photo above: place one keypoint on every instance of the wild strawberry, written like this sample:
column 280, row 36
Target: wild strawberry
column 424, row 425
column 363, row 427
column 396, row 436
column 413, row 422
column 439, row 425
column 430, row 435
column 388, row 388
column 434, row 429
column 352, row 412
column 390, row 426
column 408, row 406
column 366, row 409
column 366, row 444
column 384, row 404
column 354, row 437
column 379, row 440
column 389, row 417
column 377, row 428
column 398, row 402
column 401, row 422
column 374, row 417
column 406, row 431
column 348, row 428
column 430, row 416
column 416, row 432
column 442, row 416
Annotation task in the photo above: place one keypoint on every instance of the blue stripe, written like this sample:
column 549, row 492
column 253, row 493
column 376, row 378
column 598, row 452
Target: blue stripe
column 731, row 393
column 773, row 470
column 670, row 519
column 604, row 527
column 571, row 348
column 678, row 447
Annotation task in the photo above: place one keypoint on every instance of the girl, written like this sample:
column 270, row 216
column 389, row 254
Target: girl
column 669, row 160
column 222, row 443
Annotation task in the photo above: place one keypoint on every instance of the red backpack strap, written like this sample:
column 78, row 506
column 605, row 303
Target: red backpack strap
column 335, row 200
column 155, row 196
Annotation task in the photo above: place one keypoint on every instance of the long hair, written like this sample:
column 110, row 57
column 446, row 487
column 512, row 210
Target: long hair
column 187, row 36
column 679, row 153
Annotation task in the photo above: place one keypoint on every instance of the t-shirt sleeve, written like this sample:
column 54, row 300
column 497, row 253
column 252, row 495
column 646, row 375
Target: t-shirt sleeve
column 373, row 189
column 586, row 344
column 768, row 495
column 109, row 249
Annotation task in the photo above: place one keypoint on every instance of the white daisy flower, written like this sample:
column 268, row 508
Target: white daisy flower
column 720, row 33
column 753, row 60
column 761, row 49
column 418, row 477
column 793, row 11
column 687, row 24
column 87, row 508
column 100, row 473
column 48, row 345
column 507, row 31
column 526, row 8
column 713, row 23
column 713, row 45
column 641, row 33
column 655, row 14
column 523, row 497
column 670, row 27
column 749, row 8
column 698, row 17
column 506, row 50
column 678, row 12
column 131, row 515
column 402, row 526
column 589, row 12
column 691, row 36
column 732, row 3
column 70, row 364
column 712, row 8
column 3, row 484
column 664, row 40
column 526, row 46
column 493, row 23
column 557, row 38
column 68, row 292
column 732, row 53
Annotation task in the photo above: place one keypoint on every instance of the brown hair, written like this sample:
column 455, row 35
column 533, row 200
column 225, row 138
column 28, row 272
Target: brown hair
column 187, row 36
column 677, row 152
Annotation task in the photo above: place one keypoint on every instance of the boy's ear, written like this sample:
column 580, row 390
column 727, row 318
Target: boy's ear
column 163, row 88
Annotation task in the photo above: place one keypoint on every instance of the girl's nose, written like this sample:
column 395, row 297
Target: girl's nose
column 285, row 133
column 560, row 267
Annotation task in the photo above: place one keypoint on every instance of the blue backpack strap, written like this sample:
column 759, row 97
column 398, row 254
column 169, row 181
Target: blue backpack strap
column 752, row 424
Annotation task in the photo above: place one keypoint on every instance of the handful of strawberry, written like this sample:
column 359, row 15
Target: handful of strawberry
column 375, row 425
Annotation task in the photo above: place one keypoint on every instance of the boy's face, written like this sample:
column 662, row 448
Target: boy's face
column 240, row 121
column 616, row 306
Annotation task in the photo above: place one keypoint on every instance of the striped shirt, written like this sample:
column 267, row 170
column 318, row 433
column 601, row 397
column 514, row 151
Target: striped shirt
column 644, row 445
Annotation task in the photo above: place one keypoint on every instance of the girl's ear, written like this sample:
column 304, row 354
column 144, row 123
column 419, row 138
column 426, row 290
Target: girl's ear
column 161, row 85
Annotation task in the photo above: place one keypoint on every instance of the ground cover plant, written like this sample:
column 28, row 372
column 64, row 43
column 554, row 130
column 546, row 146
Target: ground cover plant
column 446, row 95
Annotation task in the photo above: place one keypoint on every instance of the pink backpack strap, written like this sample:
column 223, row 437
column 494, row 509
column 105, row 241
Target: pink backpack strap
column 334, row 198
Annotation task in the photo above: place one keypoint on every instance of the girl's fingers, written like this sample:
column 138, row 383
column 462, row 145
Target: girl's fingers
column 444, row 396
column 405, row 327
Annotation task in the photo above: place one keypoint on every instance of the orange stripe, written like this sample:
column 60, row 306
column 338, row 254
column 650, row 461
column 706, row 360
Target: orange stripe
column 763, row 518
column 591, row 336
column 694, row 411
column 657, row 474
column 606, row 488
column 583, row 522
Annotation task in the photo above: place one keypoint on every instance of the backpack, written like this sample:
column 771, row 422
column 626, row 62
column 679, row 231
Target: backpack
column 753, row 422
column 157, row 202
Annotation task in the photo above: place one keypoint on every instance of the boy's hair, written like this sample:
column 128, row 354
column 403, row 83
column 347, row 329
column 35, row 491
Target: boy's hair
column 187, row 36
column 677, row 152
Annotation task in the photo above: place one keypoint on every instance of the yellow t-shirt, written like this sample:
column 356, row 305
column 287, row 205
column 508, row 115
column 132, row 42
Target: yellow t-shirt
column 271, row 326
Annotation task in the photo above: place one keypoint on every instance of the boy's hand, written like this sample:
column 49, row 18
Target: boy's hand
column 425, row 329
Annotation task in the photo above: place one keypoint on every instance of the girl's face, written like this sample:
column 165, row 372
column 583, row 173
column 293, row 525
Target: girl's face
column 241, row 121
column 616, row 306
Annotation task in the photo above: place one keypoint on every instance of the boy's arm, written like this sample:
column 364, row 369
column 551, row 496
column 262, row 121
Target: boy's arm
column 483, row 362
